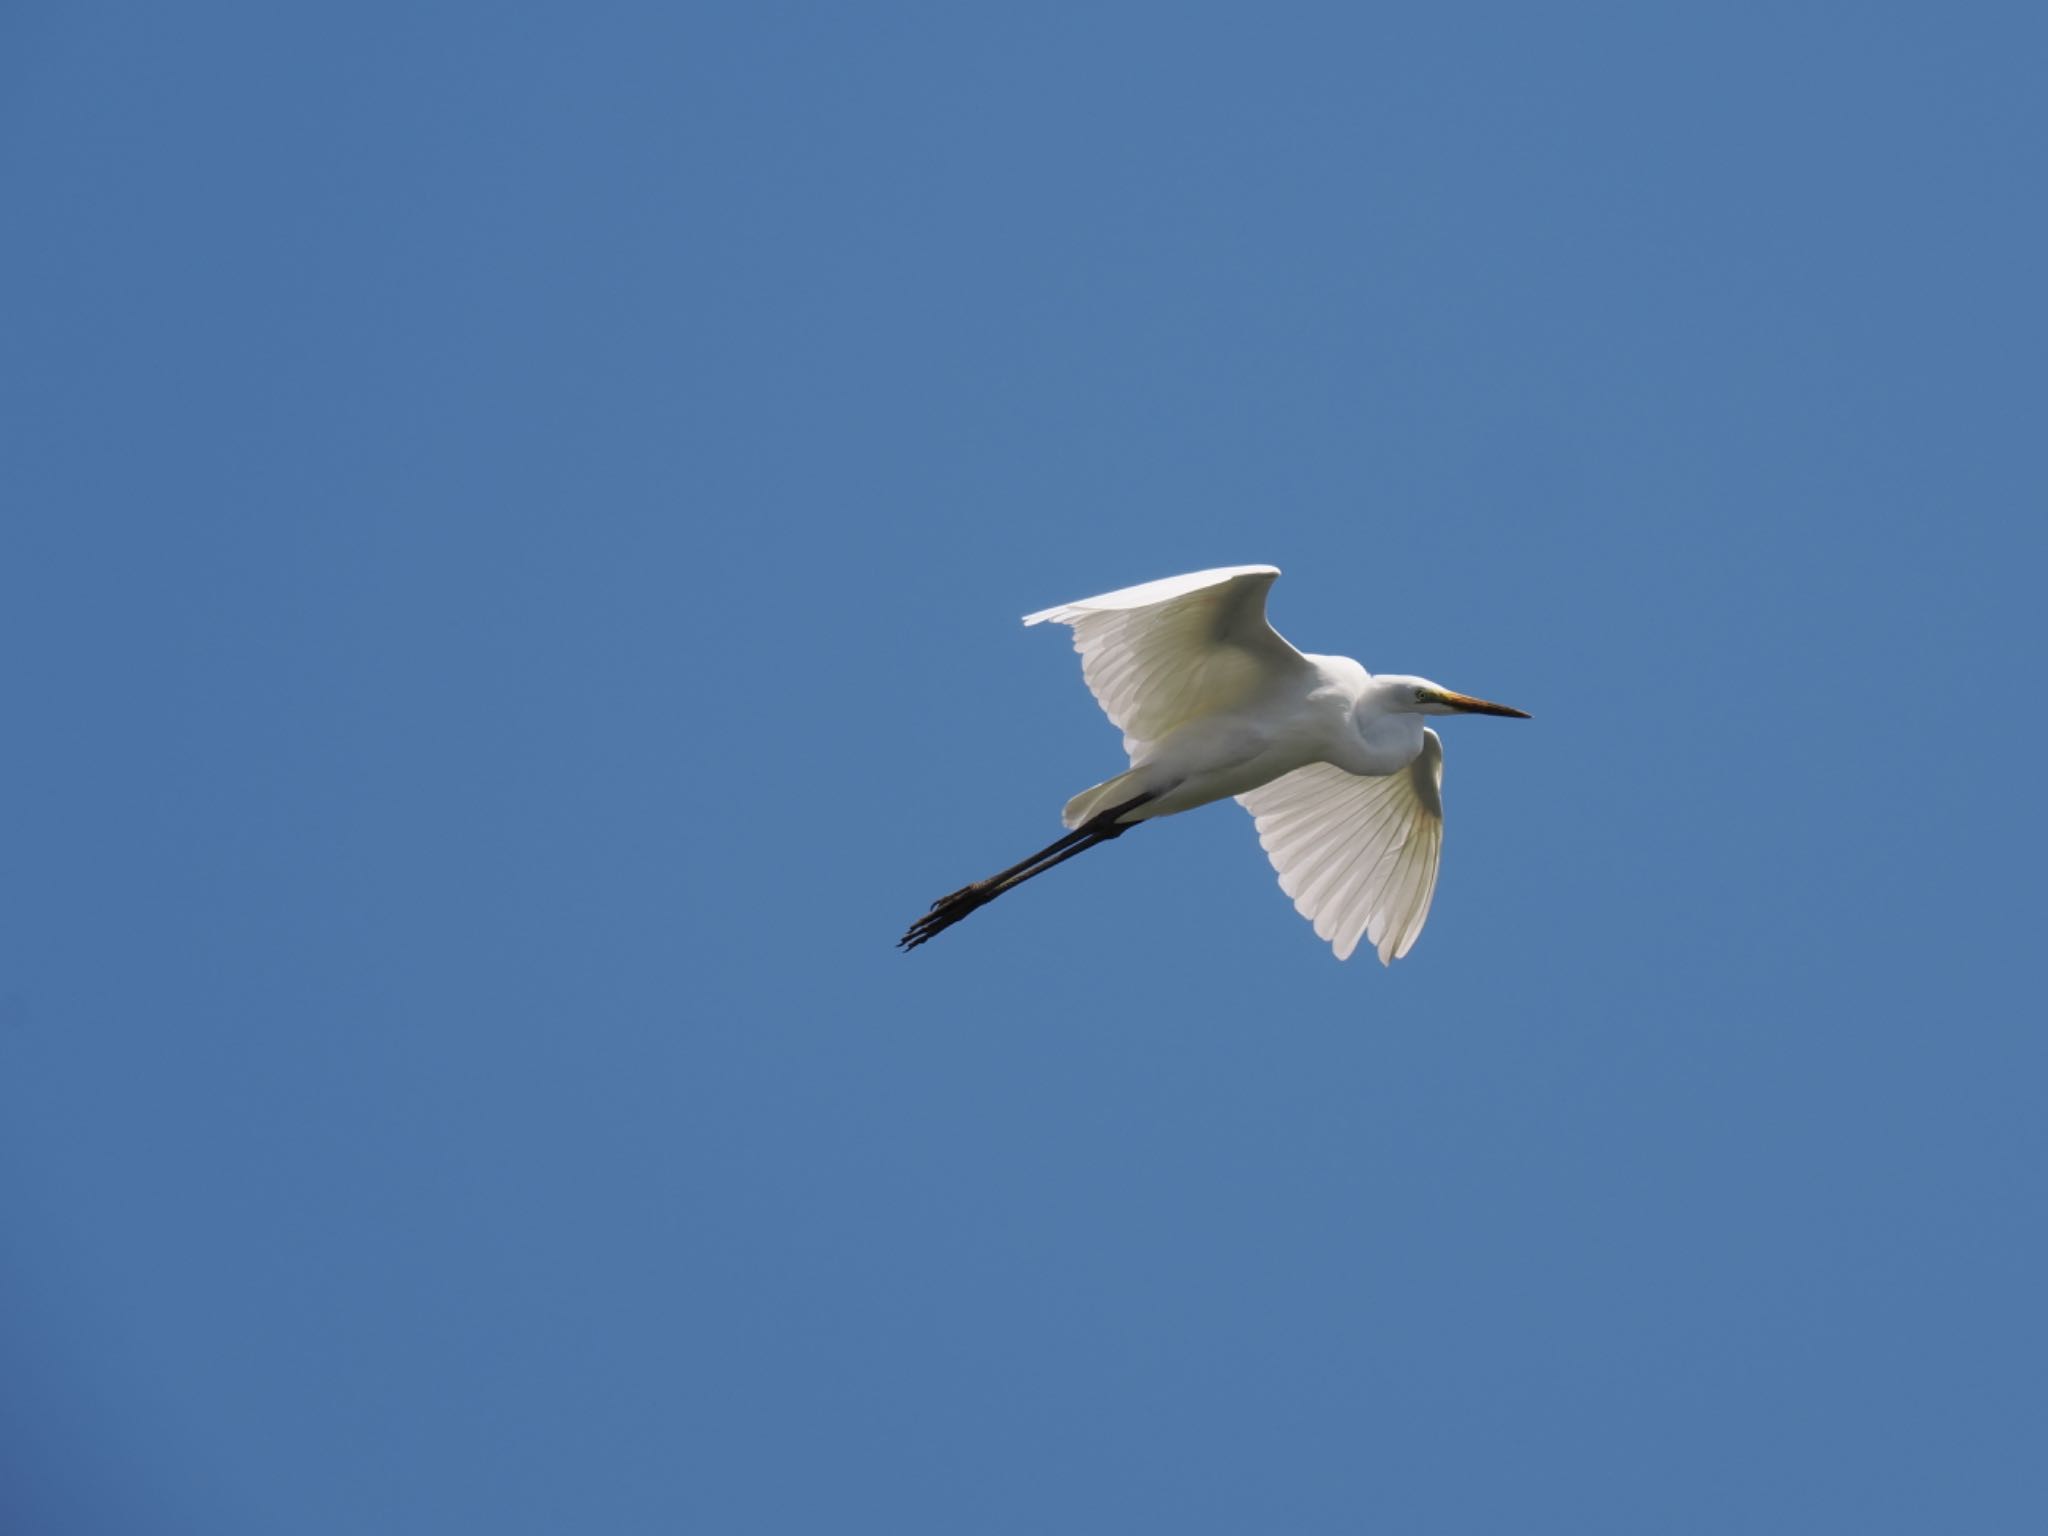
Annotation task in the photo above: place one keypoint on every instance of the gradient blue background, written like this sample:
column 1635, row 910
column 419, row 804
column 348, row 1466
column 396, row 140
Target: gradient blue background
column 514, row 526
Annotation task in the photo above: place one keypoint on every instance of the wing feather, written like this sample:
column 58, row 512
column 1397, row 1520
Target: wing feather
column 1159, row 655
column 1358, row 855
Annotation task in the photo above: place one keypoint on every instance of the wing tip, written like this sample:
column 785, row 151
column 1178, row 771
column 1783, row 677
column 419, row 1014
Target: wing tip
column 1165, row 589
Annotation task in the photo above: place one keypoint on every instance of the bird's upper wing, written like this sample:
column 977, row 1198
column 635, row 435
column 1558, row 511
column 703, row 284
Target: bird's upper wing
column 1171, row 651
column 1358, row 855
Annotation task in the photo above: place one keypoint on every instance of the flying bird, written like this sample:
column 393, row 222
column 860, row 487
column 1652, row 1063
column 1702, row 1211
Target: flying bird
column 1343, row 780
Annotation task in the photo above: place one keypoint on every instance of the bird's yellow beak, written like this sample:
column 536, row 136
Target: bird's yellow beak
column 1464, row 703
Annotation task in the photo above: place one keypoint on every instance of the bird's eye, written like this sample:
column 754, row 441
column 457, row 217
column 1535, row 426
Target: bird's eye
column 1422, row 695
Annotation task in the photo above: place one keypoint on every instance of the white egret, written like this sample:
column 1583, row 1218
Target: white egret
column 1343, row 780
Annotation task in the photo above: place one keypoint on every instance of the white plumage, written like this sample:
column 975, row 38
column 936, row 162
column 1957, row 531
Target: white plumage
column 1357, row 854
column 1162, row 654
column 1343, row 781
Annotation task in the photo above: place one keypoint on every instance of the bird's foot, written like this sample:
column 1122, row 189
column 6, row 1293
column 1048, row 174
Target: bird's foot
column 945, row 912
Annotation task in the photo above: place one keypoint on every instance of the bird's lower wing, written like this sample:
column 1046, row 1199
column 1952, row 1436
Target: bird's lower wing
column 1159, row 655
column 1358, row 855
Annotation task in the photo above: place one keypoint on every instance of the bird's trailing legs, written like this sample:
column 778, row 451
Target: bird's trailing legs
column 948, row 910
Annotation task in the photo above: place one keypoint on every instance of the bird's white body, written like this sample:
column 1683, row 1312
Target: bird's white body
column 1341, row 776
column 1326, row 714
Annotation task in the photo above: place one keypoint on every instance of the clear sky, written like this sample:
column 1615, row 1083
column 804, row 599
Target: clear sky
column 512, row 529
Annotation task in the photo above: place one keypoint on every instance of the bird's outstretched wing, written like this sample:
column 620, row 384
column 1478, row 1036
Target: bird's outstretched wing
column 1358, row 855
column 1159, row 655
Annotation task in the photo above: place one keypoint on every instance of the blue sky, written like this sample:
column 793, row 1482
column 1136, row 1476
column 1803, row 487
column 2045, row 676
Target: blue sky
column 515, row 524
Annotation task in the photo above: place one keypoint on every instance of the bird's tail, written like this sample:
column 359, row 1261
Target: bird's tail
column 1122, row 793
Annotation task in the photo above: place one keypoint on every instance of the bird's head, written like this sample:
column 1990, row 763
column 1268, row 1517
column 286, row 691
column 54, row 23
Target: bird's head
column 1419, row 696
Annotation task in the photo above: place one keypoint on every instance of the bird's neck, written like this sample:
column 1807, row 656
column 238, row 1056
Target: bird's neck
column 1384, row 740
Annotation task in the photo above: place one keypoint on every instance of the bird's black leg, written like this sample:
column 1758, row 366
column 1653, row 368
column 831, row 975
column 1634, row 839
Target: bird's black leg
column 948, row 910
column 1078, row 835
